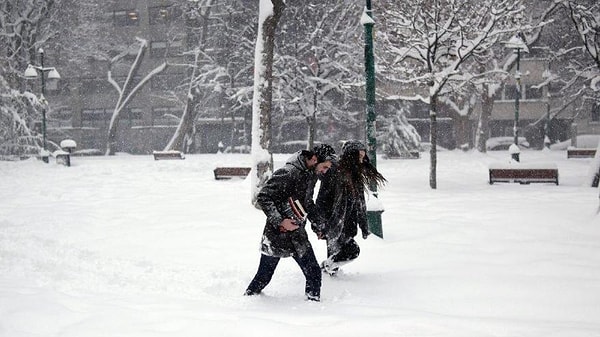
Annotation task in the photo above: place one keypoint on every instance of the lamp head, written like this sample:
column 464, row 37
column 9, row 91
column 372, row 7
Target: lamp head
column 516, row 42
column 53, row 74
column 30, row 72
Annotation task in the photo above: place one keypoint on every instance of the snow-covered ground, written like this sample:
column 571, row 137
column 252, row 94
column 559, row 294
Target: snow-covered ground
column 129, row 246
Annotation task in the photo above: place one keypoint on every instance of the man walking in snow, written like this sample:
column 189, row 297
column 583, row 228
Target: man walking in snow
column 286, row 200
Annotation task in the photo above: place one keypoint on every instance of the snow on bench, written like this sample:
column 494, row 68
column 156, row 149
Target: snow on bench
column 161, row 155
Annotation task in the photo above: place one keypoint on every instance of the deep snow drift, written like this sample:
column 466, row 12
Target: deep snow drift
column 129, row 246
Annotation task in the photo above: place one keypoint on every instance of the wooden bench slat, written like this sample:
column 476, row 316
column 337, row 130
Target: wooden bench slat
column 581, row 153
column 222, row 173
column 523, row 176
column 161, row 155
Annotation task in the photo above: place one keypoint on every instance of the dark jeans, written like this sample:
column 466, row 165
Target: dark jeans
column 347, row 252
column 308, row 263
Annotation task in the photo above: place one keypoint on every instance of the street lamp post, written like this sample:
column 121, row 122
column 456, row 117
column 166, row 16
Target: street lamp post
column 547, row 75
column 517, row 44
column 373, row 215
column 32, row 72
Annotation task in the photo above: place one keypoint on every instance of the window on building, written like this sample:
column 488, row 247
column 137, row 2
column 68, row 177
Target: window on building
column 166, row 82
column 509, row 92
column 96, row 117
column 135, row 117
column 162, row 116
column 121, row 80
column 126, row 18
column 158, row 49
column 596, row 112
column 163, row 14
column 60, row 118
column 175, row 48
column 94, row 86
column 533, row 93
column 132, row 52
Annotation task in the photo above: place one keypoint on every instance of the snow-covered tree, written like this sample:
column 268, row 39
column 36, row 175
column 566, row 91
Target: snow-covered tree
column 127, row 90
column 269, row 14
column 203, row 71
column 17, row 115
column 217, row 83
column 318, row 67
column 428, row 41
column 494, row 67
column 24, row 27
column 585, row 16
column 399, row 138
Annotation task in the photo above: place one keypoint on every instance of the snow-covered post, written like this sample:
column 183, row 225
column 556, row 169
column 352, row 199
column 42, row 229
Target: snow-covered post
column 262, row 160
column 373, row 216
column 517, row 43
column 31, row 72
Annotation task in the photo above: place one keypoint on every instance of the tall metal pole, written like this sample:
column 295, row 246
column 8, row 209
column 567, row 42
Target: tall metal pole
column 515, row 156
column 370, row 88
column 44, row 103
column 373, row 216
column 547, row 124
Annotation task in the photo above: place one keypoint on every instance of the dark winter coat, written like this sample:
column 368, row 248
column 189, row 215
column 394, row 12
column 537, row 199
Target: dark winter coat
column 346, row 211
column 294, row 180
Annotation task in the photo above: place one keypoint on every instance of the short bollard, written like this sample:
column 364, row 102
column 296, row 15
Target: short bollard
column 514, row 152
column 62, row 157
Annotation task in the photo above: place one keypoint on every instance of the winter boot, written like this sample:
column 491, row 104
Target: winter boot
column 313, row 297
column 250, row 292
column 329, row 267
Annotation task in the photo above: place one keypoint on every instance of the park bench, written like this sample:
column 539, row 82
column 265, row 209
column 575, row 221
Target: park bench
column 581, row 153
column 409, row 155
column 162, row 155
column 222, row 173
column 523, row 174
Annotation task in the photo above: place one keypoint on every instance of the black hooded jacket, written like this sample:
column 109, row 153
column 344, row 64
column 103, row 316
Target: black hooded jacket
column 293, row 180
column 346, row 211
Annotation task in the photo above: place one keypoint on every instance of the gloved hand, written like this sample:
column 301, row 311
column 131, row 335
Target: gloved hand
column 317, row 227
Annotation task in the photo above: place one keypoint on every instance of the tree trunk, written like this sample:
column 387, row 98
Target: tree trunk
column 186, row 123
column 127, row 88
column 263, row 94
column 462, row 131
column 312, row 120
column 483, row 126
column 433, row 138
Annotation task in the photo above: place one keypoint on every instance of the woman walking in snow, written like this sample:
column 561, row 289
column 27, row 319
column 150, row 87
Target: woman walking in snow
column 342, row 198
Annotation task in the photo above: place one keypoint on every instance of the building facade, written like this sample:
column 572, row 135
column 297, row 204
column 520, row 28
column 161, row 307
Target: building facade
column 82, row 102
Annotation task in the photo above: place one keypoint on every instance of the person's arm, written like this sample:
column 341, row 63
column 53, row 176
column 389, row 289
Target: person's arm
column 361, row 216
column 273, row 193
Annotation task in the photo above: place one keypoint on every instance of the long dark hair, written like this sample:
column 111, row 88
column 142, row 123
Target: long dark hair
column 354, row 175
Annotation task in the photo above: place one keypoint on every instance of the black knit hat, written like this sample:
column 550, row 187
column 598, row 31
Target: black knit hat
column 353, row 145
column 324, row 152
